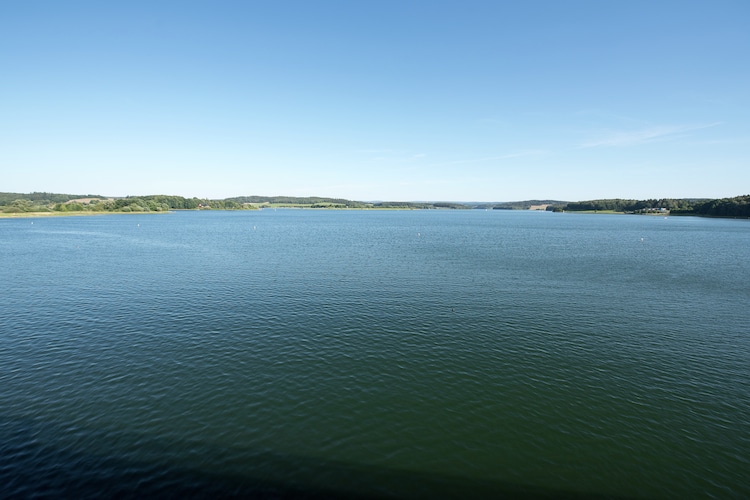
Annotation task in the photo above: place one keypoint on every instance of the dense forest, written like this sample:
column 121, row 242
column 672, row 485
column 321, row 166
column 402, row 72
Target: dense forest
column 738, row 206
column 633, row 206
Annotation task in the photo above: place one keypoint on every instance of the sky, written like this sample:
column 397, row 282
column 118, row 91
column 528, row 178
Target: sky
column 377, row 99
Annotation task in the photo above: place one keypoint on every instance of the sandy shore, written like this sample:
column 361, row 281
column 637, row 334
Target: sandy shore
column 24, row 215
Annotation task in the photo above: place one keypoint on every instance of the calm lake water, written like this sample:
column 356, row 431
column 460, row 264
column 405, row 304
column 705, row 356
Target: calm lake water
column 375, row 353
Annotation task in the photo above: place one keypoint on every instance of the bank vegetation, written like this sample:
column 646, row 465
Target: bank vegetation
column 18, row 204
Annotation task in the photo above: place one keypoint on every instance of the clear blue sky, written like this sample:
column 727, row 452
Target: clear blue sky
column 377, row 100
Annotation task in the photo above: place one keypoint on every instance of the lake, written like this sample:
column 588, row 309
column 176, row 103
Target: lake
column 285, row 353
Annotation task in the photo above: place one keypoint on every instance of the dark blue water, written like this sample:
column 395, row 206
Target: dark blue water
column 374, row 353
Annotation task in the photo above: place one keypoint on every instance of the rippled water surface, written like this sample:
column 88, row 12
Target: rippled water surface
column 422, row 353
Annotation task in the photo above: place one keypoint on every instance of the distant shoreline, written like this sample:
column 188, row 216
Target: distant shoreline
column 28, row 215
column 37, row 205
column 40, row 215
column 32, row 215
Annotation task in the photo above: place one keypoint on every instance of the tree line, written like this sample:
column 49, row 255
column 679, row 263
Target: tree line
column 47, row 202
column 42, row 199
column 154, row 203
column 516, row 205
column 738, row 206
column 620, row 205
column 311, row 201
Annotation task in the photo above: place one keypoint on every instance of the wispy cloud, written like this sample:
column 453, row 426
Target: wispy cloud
column 644, row 136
